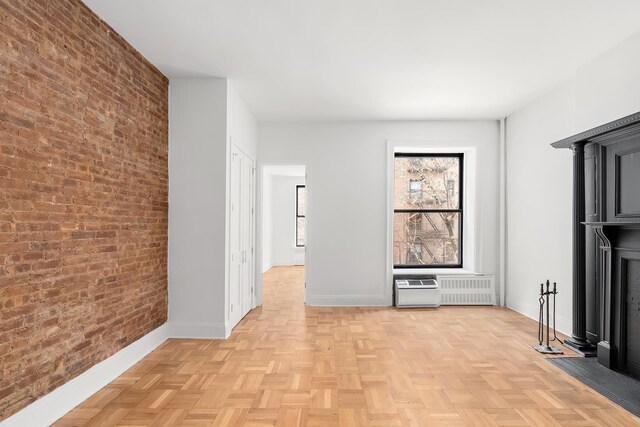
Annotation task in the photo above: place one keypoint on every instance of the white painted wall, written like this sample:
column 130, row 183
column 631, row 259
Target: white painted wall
column 242, row 127
column 347, row 197
column 539, row 177
column 204, row 115
column 539, row 182
column 197, row 193
column 283, row 225
column 608, row 88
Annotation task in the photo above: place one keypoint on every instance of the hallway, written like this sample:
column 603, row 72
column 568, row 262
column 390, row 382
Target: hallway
column 290, row 365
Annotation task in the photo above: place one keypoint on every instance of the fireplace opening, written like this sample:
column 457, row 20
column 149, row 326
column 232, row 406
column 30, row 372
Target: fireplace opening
column 632, row 279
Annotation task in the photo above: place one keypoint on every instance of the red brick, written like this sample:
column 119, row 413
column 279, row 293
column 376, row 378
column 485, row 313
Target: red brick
column 83, row 196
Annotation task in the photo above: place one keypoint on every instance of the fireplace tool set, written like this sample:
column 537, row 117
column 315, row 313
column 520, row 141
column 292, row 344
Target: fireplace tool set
column 546, row 348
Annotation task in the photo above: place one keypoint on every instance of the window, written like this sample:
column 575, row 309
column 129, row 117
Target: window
column 415, row 188
column 427, row 210
column 301, row 209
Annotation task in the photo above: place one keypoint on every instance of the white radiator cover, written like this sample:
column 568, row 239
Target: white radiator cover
column 298, row 255
column 470, row 289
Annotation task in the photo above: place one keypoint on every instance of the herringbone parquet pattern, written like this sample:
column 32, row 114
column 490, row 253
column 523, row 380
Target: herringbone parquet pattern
column 290, row 365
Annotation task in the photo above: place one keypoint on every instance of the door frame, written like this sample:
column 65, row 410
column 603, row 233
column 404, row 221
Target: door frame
column 260, row 228
column 233, row 148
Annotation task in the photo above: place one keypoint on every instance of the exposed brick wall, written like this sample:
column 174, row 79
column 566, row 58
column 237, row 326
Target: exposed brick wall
column 83, row 196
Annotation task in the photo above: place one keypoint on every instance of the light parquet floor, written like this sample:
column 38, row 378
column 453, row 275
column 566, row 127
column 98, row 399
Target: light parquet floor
column 290, row 365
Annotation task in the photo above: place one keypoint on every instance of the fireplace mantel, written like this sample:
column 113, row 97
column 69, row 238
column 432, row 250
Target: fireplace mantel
column 600, row 228
column 606, row 239
column 605, row 236
column 583, row 137
column 621, row 224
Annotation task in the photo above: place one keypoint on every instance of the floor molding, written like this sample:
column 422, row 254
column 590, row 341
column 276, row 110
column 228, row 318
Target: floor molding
column 347, row 301
column 199, row 330
column 49, row 408
column 532, row 311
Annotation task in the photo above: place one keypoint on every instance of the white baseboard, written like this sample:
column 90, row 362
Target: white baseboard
column 347, row 301
column 210, row 331
column 51, row 407
column 563, row 324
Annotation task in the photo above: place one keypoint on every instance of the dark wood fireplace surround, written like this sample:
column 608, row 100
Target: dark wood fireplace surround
column 606, row 243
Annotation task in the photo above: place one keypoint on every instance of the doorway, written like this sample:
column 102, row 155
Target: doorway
column 284, row 228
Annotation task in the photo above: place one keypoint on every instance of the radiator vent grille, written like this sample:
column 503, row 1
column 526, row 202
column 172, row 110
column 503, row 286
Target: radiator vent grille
column 467, row 290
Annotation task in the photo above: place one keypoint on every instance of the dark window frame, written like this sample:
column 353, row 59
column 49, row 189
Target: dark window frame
column 300, row 216
column 459, row 210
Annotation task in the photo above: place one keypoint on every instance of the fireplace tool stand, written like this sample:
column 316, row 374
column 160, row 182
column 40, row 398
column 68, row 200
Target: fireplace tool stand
column 546, row 348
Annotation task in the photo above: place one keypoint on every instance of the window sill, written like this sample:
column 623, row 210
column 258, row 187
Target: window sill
column 441, row 271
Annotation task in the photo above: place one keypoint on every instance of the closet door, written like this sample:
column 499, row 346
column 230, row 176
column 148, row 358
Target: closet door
column 241, row 212
column 235, row 239
column 246, row 195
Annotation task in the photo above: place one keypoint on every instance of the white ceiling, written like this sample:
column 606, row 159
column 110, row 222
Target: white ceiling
column 375, row 59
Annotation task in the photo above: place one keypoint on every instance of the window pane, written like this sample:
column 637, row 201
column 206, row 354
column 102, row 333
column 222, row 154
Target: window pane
column 300, row 226
column 426, row 238
column 302, row 201
column 427, row 183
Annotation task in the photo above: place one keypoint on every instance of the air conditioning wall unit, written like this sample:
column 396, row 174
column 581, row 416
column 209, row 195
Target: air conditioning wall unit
column 416, row 290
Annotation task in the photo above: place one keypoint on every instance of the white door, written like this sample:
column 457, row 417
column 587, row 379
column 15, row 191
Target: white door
column 241, row 235
column 235, row 239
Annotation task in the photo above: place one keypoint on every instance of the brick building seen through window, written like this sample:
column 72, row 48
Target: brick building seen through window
column 428, row 210
column 301, row 207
